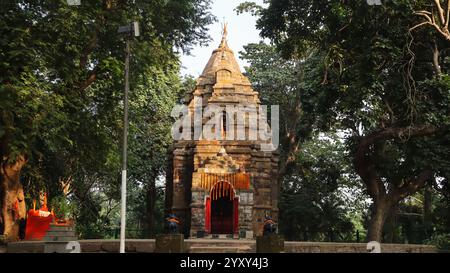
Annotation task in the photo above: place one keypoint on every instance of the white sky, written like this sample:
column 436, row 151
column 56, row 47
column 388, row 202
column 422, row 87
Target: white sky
column 241, row 31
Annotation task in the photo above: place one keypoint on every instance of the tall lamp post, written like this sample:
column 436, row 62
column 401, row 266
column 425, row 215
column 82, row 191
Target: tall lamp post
column 129, row 31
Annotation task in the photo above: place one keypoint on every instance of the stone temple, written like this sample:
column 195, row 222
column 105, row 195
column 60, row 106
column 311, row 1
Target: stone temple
column 224, row 185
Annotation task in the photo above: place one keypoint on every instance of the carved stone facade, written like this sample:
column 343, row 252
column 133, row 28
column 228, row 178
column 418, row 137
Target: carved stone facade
column 236, row 176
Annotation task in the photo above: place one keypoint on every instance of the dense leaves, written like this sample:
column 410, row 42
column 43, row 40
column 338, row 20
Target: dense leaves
column 383, row 83
column 364, row 94
column 61, row 74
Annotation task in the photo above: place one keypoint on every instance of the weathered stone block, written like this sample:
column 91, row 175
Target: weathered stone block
column 65, row 247
column 25, row 247
column 91, row 246
column 270, row 244
column 242, row 233
column 145, row 247
column 243, row 198
column 169, row 243
column 110, row 246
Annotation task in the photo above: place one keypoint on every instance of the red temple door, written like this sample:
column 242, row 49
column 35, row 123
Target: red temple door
column 236, row 216
column 208, row 215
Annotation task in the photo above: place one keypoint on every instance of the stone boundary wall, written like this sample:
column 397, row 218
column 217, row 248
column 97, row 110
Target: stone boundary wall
column 320, row 247
column 148, row 246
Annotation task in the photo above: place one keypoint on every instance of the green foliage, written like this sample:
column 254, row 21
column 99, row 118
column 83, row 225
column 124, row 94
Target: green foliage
column 317, row 198
column 288, row 83
column 442, row 241
column 320, row 195
column 251, row 7
column 61, row 92
column 358, row 70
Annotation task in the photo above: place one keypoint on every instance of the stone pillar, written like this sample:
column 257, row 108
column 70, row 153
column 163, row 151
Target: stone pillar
column 245, row 212
column 266, row 189
column 275, row 186
column 182, row 181
column 197, row 212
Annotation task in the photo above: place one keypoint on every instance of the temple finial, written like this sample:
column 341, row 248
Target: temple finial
column 223, row 43
column 225, row 30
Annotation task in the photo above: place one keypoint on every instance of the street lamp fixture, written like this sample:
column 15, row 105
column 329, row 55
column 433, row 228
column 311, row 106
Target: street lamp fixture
column 132, row 29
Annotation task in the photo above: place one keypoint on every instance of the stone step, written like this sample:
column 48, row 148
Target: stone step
column 61, row 228
column 66, row 233
column 219, row 249
column 222, row 236
column 60, row 238
column 220, row 244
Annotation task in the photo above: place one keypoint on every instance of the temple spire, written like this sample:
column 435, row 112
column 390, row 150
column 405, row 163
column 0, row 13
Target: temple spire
column 223, row 58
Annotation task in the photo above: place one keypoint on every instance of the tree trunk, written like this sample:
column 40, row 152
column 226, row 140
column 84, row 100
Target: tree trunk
column 379, row 214
column 151, row 201
column 12, row 199
column 391, row 225
column 427, row 209
column 365, row 167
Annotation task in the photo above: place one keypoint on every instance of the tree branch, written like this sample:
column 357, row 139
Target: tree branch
column 444, row 18
column 364, row 166
column 448, row 14
column 413, row 185
column 88, row 49
column 366, row 170
column 440, row 11
column 400, row 133
column 91, row 78
column 436, row 54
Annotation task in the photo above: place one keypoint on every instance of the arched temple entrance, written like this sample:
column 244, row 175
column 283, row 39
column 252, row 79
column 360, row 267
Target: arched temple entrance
column 222, row 209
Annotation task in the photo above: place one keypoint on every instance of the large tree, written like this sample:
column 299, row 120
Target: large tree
column 389, row 86
column 61, row 75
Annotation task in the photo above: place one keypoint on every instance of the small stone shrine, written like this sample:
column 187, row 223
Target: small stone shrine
column 224, row 186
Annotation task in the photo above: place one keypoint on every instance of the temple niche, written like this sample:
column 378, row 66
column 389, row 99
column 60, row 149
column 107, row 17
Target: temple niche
column 225, row 185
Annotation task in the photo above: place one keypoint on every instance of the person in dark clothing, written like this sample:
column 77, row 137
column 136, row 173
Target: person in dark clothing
column 270, row 227
column 172, row 223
